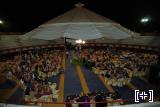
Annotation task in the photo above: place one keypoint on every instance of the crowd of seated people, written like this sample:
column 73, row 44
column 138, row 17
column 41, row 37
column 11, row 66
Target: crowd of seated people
column 118, row 66
column 33, row 69
column 94, row 99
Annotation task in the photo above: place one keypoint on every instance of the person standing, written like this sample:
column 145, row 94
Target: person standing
column 67, row 54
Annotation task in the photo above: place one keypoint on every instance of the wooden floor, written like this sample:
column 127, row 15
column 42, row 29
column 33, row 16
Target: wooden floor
column 61, row 83
column 82, row 80
column 109, row 87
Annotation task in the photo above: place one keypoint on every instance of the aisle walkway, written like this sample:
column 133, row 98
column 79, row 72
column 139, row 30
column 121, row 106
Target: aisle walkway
column 8, row 93
column 72, row 83
column 125, row 92
column 93, row 81
column 7, row 84
column 144, row 86
column 84, row 84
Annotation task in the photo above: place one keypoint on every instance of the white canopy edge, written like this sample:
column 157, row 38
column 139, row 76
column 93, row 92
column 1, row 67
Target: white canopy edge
column 68, row 27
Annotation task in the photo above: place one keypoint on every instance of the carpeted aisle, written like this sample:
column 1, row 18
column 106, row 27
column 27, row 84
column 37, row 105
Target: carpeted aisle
column 125, row 92
column 72, row 83
column 142, row 85
column 7, row 84
column 94, row 83
column 17, row 97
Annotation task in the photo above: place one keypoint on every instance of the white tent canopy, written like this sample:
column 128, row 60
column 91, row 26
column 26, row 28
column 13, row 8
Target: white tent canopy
column 79, row 23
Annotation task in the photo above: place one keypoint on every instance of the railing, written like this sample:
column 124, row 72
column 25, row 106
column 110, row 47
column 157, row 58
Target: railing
column 118, row 102
column 109, row 103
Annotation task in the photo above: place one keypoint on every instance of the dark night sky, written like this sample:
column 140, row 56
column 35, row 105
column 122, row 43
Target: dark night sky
column 25, row 15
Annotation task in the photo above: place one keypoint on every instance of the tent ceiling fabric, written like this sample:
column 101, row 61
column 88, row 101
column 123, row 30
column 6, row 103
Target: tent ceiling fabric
column 79, row 23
